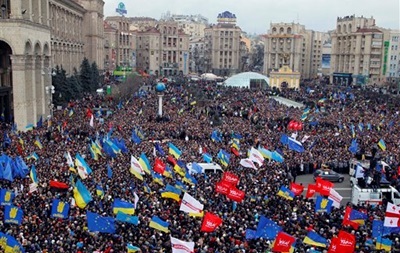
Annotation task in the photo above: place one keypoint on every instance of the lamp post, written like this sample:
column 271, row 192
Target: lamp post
column 50, row 90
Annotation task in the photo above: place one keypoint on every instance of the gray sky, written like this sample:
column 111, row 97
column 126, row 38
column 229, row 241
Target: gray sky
column 254, row 16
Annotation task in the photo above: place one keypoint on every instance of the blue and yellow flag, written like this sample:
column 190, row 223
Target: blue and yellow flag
column 123, row 207
column 59, row 209
column 358, row 217
column 315, row 239
column 100, row 191
column 33, row 156
column 286, row 193
column 383, row 244
column 11, row 245
column 146, row 188
column 13, row 215
column 168, row 172
column 223, row 157
column 144, row 162
column 323, row 205
column 71, row 112
column 81, row 195
column 159, row 224
column 179, row 170
column 29, row 127
column 180, row 185
column 127, row 218
column 38, row 143
column 93, row 154
column 171, row 193
column 33, row 175
column 189, row 179
column 157, row 178
column 6, row 197
column 207, row 157
column 132, row 249
column 382, row 144
column 173, row 150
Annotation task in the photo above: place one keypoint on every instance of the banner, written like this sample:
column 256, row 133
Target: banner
column 230, row 178
column 179, row 246
column 210, row 222
column 236, row 194
column 190, row 204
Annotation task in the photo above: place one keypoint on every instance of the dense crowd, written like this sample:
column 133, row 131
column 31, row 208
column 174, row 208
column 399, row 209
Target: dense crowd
column 260, row 121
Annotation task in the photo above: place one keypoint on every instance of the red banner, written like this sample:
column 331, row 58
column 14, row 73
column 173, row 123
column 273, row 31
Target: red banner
column 323, row 186
column 171, row 160
column 283, row 242
column 58, row 185
column 235, row 151
column 347, row 221
column 347, row 242
column 222, row 187
column 236, row 194
column 210, row 222
column 311, row 190
column 159, row 166
column 230, row 178
column 297, row 189
column 334, row 246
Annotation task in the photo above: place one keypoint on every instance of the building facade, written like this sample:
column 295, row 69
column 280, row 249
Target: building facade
column 35, row 36
column 193, row 25
column 111, row 36
column 393, row 58
column 163, row 50
column 142, row 23
column 304, row 48
column 222, row 45
column 196, row 55
column 359, row 51
column 122, row 48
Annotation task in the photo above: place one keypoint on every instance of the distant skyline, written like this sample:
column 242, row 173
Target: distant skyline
column 255, row 16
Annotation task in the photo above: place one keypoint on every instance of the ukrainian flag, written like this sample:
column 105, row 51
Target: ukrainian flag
column 179, row 170
column 144, row 162
column 168, row 172
column 383, row 244
column 358, row 217
column 157, row 178
column 38, row 143
column 265, row 153
column 132, row 248
column 146, row 189
column 29, row 127
column 382, row 144
column 189, row 179
column 33, row 175
column 236, row 144
column 124, row 207
column 180, row 186
column 96, row 148
column 173, row 150
column 200, row 214
column 207, row 157
column 159, row 224
column 171, row 192
column 10, row 244
column 315, row 239
column 81, row 195
column 93, row 153
column 304, row 117
column 100, row 191
column 285, row 193
column 71, row 112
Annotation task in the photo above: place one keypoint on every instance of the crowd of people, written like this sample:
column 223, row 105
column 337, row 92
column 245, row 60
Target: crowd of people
column 191, row 112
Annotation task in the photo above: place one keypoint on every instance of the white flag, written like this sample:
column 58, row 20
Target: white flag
column 179, row 246
column 335, row 197
column 91, row 121
column 70, row 162
column 136, row 199
column 248, row 163
column 305, row 138
column 256, row 156
column 32, row 187
column 135, row 166
column 190, row 204
column 392, row 216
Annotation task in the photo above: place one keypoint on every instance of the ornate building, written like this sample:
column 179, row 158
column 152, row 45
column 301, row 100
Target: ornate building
column 222, row 42
column 123, row 46
column 35, row 36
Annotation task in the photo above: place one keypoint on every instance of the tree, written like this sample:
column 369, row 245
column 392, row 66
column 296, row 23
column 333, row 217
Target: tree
column 85, row 76
column 95, row 77
column 61, row 88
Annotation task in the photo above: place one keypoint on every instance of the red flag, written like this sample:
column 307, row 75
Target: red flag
column 347, row 242
column 297, row 189
column 222, row 187
column 210, row 222
column 323, row 186
column 347, row 221
column 89, row 113
column 230, row 178
column 159, row 166
column 234, row 151
column 58, row 185
column 236, row 194
column 283, row 242
column 311, row 189
column 171, row 160
column 334, row 246
column 19, row 149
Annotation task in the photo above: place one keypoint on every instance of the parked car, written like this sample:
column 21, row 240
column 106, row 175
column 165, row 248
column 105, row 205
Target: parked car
column 328, row 174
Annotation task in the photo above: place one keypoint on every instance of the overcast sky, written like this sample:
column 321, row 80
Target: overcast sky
column 254, row 16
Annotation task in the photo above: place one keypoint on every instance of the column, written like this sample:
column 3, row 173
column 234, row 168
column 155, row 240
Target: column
column 21, row 84
column 160, row 104
column 46, row 81
column 39, row 87
column 16, row 9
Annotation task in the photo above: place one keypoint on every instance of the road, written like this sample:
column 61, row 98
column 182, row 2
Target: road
column 344, row 188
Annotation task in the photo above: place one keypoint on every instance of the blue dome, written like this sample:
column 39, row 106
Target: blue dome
column 160, row 87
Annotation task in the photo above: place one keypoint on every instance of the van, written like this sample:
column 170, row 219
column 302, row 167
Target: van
column 365, row 164
column 208, row 168
column 374, row 196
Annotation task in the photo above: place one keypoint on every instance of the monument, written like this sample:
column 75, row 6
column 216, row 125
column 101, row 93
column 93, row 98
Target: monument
column 160, row 88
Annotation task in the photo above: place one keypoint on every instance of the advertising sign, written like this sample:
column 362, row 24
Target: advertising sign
column 121, row 10
column 326, row 61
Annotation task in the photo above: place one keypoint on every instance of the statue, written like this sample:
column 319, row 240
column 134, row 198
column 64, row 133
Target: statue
column 285, row 57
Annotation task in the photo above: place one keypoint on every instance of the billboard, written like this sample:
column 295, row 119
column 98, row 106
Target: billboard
column 326, row 61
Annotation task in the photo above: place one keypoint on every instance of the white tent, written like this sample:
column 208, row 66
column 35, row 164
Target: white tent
column 209, row 76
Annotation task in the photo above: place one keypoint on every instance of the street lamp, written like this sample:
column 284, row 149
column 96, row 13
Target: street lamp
column 50, row 89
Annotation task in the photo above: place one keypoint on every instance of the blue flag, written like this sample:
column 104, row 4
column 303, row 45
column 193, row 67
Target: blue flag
column 251, row 234
column 354, row 146
column 160, row 149
column 127, row 218
column 135, row 138
column 59, row 209
column 284, row 139
column 109, row 171
column 6, row 197
column 267, row 229
column 13, row 215
column 323, row 205
column 97, row 223
column 378, row 230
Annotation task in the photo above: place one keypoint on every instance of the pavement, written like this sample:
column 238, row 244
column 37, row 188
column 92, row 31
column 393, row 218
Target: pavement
column 287, row 102
column 343, row 188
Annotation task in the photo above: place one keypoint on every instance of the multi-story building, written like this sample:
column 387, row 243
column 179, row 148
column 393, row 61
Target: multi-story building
column 111, row 36
column 193, row 25
column 196, row 55
column 222, row 42
column 35, row 36
column 302, row 47
column 123, row 45
column 393, row 58
column 359, row 51
column 326, row 60
column 163, row 50
column 142, row 23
